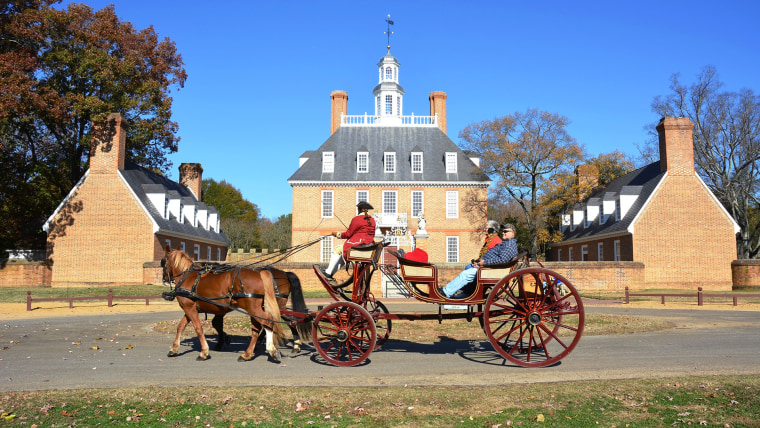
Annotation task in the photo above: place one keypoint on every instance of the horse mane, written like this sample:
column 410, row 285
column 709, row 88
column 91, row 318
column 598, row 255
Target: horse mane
column 182, row 261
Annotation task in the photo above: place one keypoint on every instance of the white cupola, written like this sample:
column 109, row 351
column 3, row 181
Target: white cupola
column 389, row 95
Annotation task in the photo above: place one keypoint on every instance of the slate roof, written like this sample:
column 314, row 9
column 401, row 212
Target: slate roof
column 141, row 179
column 642, row 181
column 346, row 141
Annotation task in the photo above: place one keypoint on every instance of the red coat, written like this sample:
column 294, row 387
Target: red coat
column 359, row 232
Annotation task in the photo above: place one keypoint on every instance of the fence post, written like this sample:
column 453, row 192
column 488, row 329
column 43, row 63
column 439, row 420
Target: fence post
column 626, row 295
column 700, row 298
column 28, row 300
column 110, row 297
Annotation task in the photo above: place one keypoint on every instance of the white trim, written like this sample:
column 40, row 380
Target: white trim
column 46, row 225
column 139, row 202
column 189, row 237
column 315, row 183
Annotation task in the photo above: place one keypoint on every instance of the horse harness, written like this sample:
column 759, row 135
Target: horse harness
column 213, row 269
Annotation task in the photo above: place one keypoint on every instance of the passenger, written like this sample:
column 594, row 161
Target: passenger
column 500, row 254
column 492, row 240
column 361, row 230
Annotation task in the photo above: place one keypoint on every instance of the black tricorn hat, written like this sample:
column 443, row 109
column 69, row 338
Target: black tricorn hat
column 364, row 206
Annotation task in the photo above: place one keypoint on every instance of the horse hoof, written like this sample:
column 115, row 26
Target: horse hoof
column 244, row 358
column 276, row 357
column 200, row 358
column 172, row 354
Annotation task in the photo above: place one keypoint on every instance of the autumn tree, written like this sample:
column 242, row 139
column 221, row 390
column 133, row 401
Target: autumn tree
column 726, row 146
column 239, row 217
column 276, row 234
column 524, row 152
column 61, row 73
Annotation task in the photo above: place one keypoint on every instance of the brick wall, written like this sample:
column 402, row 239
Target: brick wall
column 681, row 249
column 101, row 235
column 308, row 224
column 745, row 273
column 22, row 273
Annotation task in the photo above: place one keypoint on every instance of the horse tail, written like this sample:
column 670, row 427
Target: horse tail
column 299, row 305
column 271, row 308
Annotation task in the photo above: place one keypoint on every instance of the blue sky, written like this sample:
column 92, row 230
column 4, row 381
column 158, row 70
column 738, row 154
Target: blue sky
column 261, row 73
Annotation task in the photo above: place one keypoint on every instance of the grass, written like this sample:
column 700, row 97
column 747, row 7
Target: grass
column 728, row 401
column 18, row 294
column 692, row 299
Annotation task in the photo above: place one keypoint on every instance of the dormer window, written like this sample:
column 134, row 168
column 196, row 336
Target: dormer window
column 390, row 162
column 617, row 209
column 166, row 208
column 181, row 213
column 328, row 161
column 416, row 162
column 451, row 162
column 362, row 162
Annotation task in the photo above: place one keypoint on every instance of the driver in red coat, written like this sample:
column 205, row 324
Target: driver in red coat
column 361, row 230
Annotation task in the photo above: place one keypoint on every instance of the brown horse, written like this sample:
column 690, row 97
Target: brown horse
column 220, row 293
column 288, row 286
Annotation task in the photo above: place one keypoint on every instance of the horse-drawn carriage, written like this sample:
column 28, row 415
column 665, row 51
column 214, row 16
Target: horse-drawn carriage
column 532, row 316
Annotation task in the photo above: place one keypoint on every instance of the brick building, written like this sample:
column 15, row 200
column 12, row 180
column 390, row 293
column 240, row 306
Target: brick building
column 120, row 216
column 402, row 165
column 662, row 215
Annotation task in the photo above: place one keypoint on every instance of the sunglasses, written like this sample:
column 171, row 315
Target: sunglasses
column 507, row 231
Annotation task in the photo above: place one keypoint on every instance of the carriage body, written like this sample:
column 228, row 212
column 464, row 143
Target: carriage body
column 532, row 316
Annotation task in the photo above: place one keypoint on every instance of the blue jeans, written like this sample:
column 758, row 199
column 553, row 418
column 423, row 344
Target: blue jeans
column 456, row 284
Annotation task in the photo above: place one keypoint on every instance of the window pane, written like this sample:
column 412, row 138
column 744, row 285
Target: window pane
column 362, row 196
column 389, row 104
column 389, row 201
column 417, row 202
column 451, row 162
column 452, row 249
column 326, row 249
column 327, row 203
column 416, row 162
column 452, row 204
column 328, row 162
column 390, row 162
column 362, row 162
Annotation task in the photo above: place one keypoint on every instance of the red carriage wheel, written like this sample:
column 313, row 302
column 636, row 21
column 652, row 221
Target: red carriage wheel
column 344, row 333
column 534, row 317
column 382, row 326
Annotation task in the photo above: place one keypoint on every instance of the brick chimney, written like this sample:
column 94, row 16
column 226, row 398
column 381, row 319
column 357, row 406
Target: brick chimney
column 438, row 105
column 108, row 145
column 338, row 105
column 587, row 175
column 676, row 145
column 190, row 176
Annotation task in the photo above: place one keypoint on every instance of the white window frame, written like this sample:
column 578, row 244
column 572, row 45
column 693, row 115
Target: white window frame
column 570, row 254
column 421, row 194
column 452, row 204
column 208, row 253
column 452, row 249
column 586, row 223
column 559, row 254
column 451, row 162
column 600, row 251
column 362, row 196
column 584, row 253
column 327, row 204
column 168, row 242
column 389, row 104
column 389, row 162
column 328, row 162
column 387, row 201
column 417, row 162
column 617, row 209
column 325, row 249
column 362, row 162
column 388, row 73
column 219, row 254
column 616, row 246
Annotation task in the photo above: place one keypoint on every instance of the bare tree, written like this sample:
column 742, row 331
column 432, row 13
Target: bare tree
column 726, row 146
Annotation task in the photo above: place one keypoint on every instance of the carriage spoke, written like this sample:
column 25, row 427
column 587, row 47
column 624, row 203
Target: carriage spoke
column 352, row 333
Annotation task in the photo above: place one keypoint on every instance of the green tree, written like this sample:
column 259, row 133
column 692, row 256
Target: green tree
column 61, row 72
column 239, row 217
column 276, row 234
column 524, row 152
column 726, row 146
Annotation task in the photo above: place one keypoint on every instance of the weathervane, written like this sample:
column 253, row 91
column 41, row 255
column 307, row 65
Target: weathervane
column 389, row 32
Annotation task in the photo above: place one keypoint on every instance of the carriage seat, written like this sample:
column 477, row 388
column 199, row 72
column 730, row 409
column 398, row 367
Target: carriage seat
column 365, row 253
column 416, row 272
column 490, row 275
